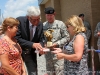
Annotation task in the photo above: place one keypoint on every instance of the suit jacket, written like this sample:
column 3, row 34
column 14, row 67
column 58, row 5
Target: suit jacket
column 23, row 36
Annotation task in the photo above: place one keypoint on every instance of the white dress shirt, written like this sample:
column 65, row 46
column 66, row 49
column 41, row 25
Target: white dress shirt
column 33, row 29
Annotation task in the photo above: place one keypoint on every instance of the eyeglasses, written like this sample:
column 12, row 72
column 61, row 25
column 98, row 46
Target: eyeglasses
column 68, row 26
column 34, row 20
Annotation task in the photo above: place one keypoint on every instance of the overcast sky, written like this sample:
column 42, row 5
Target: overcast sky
column 15, row 8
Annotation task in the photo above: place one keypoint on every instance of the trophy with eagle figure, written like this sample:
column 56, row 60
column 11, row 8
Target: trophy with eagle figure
column 49, row 36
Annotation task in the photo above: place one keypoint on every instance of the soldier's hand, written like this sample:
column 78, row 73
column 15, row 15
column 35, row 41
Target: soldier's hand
column 98, row 33
column 54, row 45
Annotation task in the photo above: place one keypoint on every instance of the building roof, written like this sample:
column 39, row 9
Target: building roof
column 42, row 1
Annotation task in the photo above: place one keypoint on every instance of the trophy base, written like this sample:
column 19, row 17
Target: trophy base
column 45, row 50
column 49, row 44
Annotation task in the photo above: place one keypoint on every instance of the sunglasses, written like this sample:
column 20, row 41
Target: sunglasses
column 68, row 26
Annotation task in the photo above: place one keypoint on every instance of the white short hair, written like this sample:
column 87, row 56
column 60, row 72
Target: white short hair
column 33, row 11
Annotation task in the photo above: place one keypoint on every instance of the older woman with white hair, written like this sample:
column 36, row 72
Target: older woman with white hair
column 30, row 37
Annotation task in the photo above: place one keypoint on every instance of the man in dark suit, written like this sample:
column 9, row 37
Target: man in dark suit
column 30, row 37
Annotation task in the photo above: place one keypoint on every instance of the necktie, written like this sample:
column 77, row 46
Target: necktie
column 31, row 32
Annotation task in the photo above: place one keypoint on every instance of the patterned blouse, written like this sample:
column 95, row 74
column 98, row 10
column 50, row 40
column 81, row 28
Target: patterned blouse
column 14, row 56
column 76, row 68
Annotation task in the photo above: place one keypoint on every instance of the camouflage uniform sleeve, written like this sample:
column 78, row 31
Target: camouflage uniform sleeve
column 64, row 35
column 97, row 29
column 88, row 30
column 88, row 33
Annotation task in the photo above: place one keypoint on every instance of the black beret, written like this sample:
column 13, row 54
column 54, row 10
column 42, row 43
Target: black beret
column 49, row 10
column 80, row 15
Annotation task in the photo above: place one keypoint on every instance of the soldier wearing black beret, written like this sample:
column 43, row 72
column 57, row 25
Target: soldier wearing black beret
column 49, row 10
column 50, row 64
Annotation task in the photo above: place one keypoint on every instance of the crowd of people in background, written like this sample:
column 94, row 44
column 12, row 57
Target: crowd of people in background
column 21, row 37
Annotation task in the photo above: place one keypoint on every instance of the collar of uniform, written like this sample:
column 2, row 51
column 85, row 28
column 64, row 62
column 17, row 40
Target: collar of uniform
column 52, row 23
